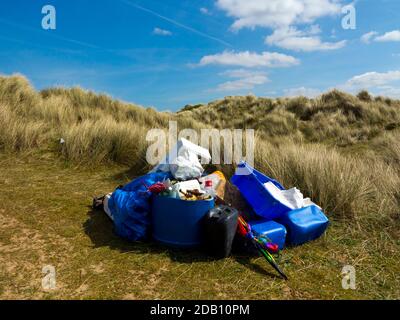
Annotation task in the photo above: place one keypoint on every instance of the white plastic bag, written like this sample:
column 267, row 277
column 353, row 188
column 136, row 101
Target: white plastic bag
column 291, row 198
column 183, row 160
column 294, row 197
column 106, row 207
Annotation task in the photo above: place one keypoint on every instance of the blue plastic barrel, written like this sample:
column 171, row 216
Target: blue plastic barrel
column 271, row 229
column 304, row 224
column 178, row 223
column 251, row 182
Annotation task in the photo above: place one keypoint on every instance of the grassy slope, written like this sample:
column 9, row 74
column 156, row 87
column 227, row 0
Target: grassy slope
column 45, row 219
column 300, row 142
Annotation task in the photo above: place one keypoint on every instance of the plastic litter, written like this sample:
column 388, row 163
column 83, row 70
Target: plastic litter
column 304, row 224
column 178, row 223
column 272, row 248
column 184, row 190
column 252, row 187
column 208, row 188
column 275, row 232
column 157, row 188
column 244, row 229
column 175, row 204
column 291, row 198
column 220, row 225
column 304, row 220
column 214, row 184
column 106, row 207
column 186, row 185
column 194, row 195
column 130, row 207
column 183, row 160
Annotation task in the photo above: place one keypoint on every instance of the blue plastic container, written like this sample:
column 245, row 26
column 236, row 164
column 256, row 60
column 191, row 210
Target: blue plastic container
column 304, row 224
column 178, row 223
column 251, row 182
column 273, row 230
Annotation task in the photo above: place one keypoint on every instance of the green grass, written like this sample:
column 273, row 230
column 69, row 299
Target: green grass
column 46, row 219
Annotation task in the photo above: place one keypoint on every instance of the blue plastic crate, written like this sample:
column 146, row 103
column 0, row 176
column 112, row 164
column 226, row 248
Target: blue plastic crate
column 251, row 182
column 304, row 224
column 271, row 229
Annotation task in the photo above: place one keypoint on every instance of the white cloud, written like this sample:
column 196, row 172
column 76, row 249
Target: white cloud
column 389, row 36
column 366, row 38
column 372, row 79
column 242, row 84
column 249, row 59
column 244, row 80
column 240, row 73
column 205, row 11
column 306, row 40
column 276, row 13
column 377, row 83
column 162, row 32
column 388, row 91
column 302, row 91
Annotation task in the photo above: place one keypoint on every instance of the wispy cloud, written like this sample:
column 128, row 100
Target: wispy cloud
column 176, row 23
column 249, row 59
column 389, row 91
column 366, row 38
column 205, row 11
column 391, row 36
column 243, row 80
column 378, row 83
column 302, row 91
column 162, row 32
column 373, row 79
column 302, row 40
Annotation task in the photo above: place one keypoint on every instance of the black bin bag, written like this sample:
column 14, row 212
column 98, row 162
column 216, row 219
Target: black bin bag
column 219, row 230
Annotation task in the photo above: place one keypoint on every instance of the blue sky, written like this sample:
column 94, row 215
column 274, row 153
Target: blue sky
column 169, row 53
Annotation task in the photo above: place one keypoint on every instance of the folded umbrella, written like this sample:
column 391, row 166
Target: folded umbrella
column 244, row 230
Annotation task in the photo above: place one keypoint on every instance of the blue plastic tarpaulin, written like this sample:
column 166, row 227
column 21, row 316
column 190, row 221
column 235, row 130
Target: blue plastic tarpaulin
column 130, row 206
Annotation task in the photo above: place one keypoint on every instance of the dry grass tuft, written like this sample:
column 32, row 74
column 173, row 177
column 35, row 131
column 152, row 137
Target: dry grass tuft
column 342, row 150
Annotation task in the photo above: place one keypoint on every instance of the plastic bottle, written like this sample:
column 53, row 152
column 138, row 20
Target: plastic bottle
column 217, row 183
column 208, row 187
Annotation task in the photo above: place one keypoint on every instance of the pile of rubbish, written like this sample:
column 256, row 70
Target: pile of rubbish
column 177, row 204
